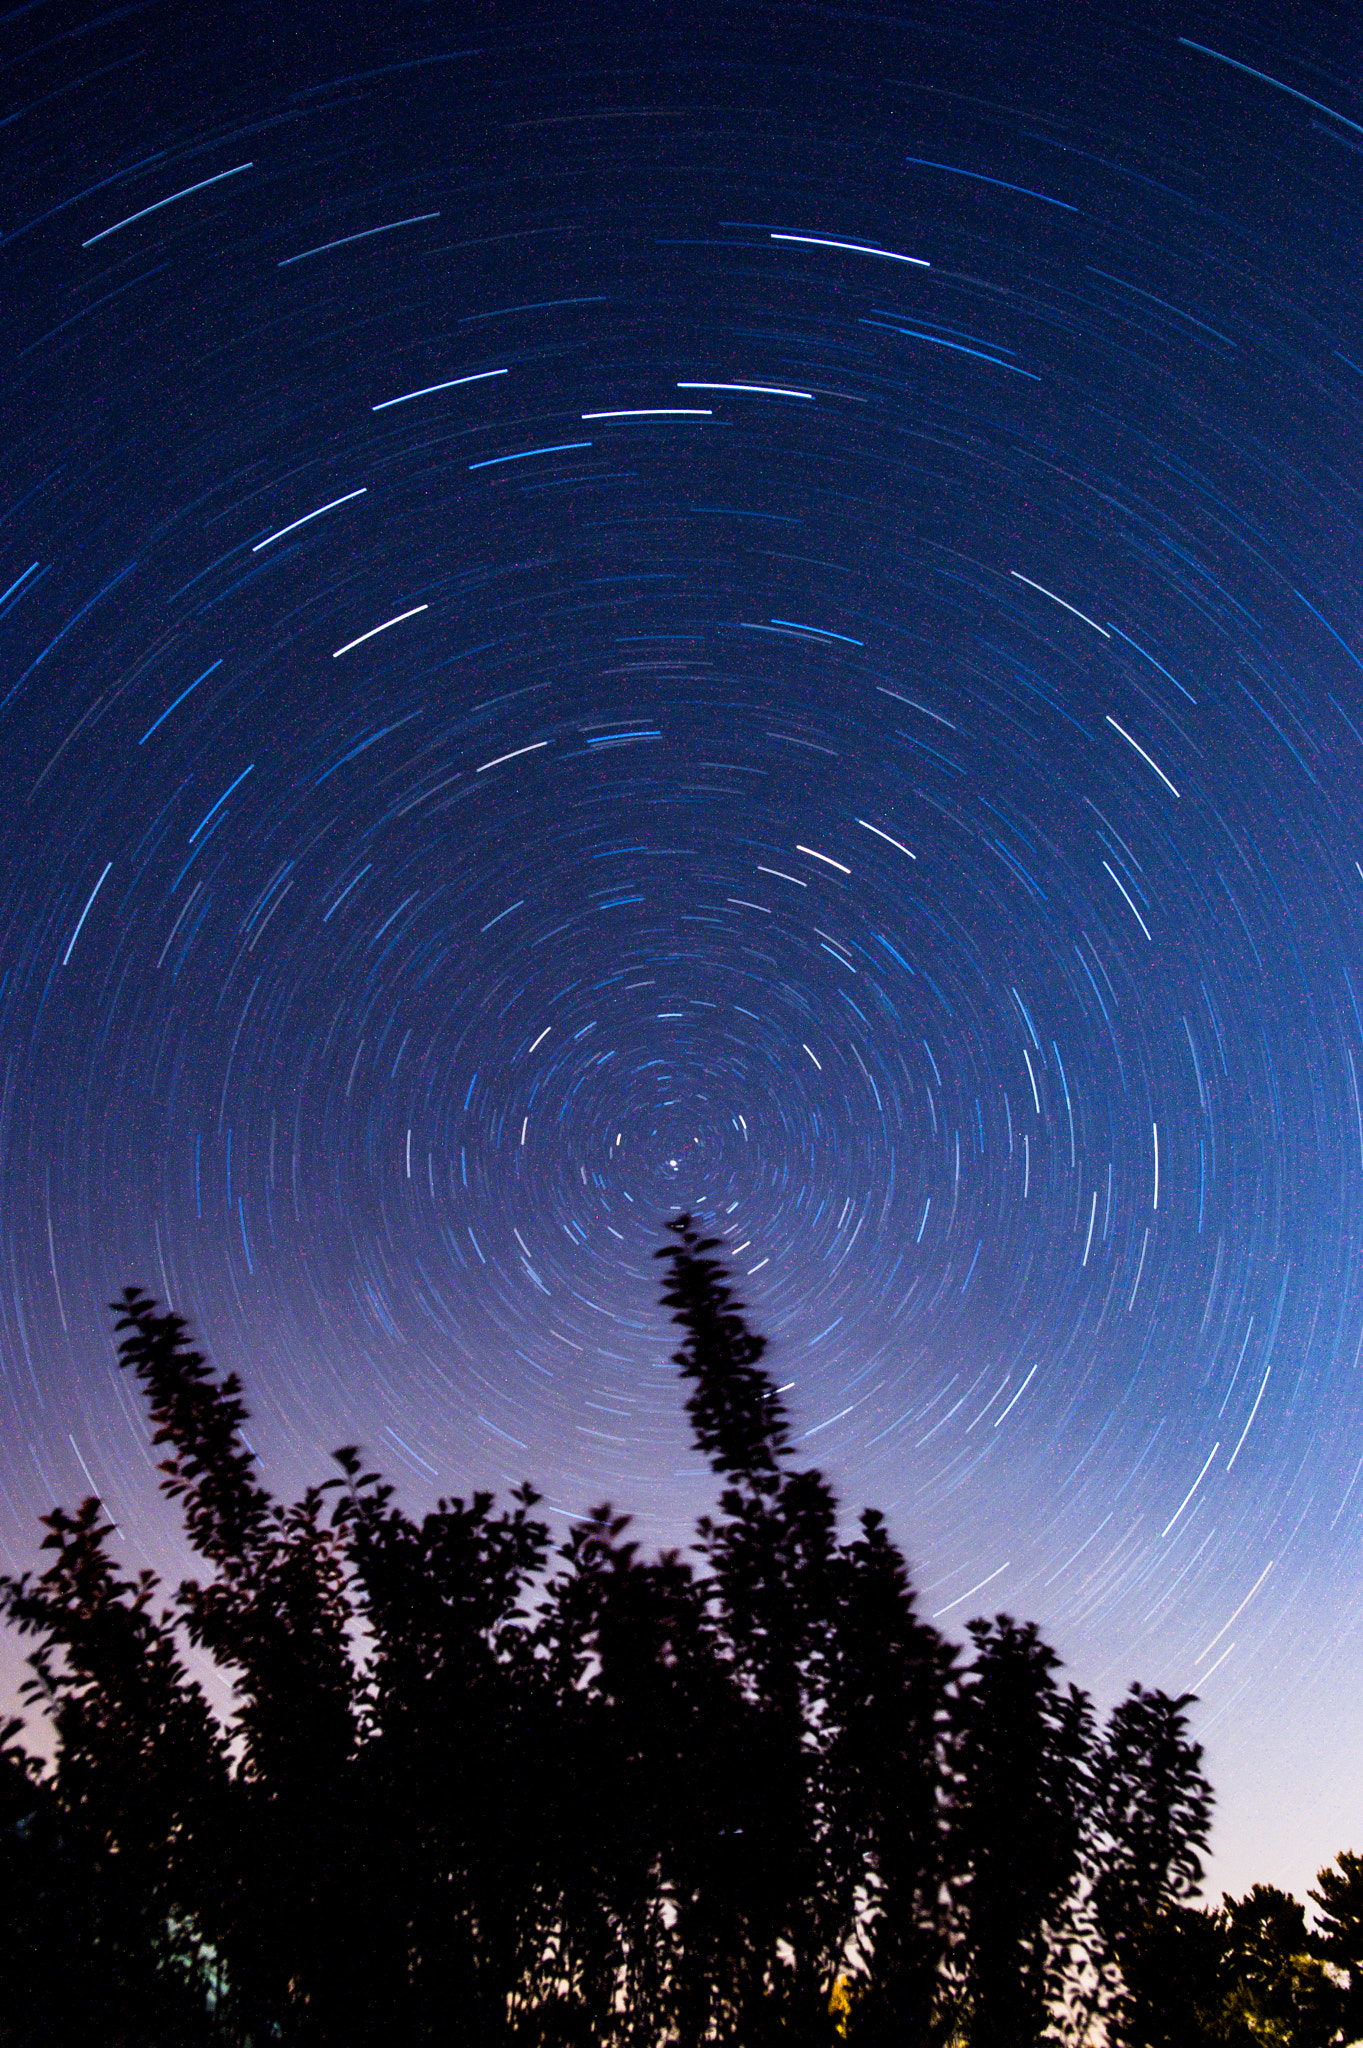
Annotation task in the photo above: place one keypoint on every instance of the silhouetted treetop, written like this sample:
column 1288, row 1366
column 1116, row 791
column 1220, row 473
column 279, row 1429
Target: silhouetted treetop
column 737, row 1416
column 200, row 1417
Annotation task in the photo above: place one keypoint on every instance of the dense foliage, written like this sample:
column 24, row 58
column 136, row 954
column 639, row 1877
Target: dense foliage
column 483, row 1791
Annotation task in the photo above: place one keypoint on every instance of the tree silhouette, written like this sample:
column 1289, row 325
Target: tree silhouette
column 480, row 1785
column 274, row 1617
column 1240, row 1975
column 1023, row 1758
column 768, row 1593
column 119, row 1843
column 1151, row 1814
column 845, row 1693
column 1276, row 1988
column 1338, row 1898
column 452, row 1774
column 1183, row 1982
column 889, row 1698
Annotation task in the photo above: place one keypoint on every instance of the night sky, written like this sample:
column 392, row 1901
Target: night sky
column 607, row 611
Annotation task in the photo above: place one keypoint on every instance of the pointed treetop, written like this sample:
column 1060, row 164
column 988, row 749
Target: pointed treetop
column 227, row 1511
column 737, row 1415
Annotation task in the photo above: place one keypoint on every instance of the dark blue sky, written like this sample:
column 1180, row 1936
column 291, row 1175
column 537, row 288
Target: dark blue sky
column 756, row 612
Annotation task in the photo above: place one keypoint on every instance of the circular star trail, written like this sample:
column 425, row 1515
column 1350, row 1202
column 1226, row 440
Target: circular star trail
column 754, row 616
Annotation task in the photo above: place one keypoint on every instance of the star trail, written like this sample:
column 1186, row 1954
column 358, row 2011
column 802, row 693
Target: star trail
column 601, row 616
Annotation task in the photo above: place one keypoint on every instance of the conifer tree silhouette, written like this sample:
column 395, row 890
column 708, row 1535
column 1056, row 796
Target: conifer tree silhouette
column 1275, row 1987
column 1338, row 1898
